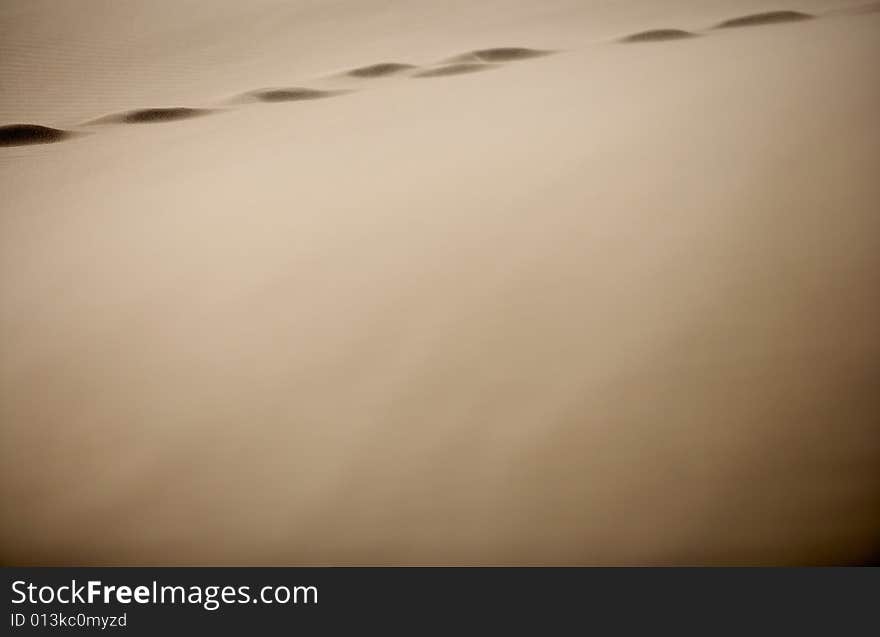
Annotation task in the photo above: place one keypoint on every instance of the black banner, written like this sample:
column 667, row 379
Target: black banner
column 150, row 601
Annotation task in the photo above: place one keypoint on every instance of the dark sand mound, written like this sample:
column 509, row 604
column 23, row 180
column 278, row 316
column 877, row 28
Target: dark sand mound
column 658, row 35
column 154, row 115
column 500, row 54
column 455, row 69
column 508, row 54
column 295, row 94
column 380, row 70
column 24, row 134
column 769, row 17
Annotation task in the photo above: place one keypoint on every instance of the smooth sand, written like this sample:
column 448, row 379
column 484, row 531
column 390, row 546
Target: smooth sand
column 619, row 303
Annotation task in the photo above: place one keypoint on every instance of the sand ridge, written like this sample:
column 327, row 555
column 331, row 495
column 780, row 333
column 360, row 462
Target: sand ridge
column 382, row 69
column 21, row 134
column 154, row 115
column 658, row 35
column 291, row 94
column 769, row 17
column 460, row 64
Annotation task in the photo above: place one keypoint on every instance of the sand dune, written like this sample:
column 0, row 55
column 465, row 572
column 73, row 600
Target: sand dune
column 293, row 94
column 455, row 69
column 154, row 115
column 605, row 304
column 499, row 54
column 21, row 134
column 381, row 69
column 658, row 35
column 769, row 17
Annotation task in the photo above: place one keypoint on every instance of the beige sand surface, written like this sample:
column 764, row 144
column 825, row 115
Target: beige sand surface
column 619, row 303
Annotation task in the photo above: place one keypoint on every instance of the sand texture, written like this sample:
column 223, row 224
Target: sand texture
column 439, row 282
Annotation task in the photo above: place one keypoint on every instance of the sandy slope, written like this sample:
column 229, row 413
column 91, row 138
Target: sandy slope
column 617, row 304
